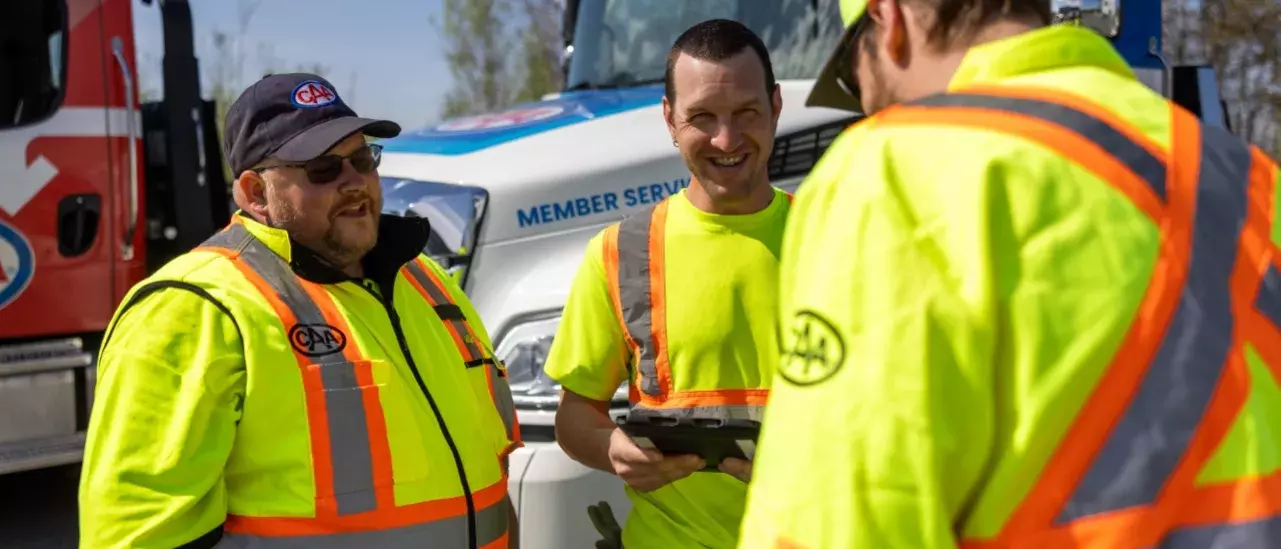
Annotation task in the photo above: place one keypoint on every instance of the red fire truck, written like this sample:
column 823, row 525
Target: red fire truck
column 95, row 191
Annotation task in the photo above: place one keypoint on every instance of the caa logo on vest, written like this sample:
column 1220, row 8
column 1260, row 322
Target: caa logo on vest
column 317, row 339
column 814, row 350
column 17, row 264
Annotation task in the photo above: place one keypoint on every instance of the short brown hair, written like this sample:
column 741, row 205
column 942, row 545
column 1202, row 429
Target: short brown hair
column 717, row 40
column 960, row 20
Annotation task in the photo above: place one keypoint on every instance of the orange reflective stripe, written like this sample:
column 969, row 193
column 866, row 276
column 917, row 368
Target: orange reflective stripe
column 1106, row 405
column 658, row 294
column 784, row 543
column 317, row 419
column 436, row 296
column 351, row 457
column 710, row 398
column 423, row 279
column 382, row 519
column 375, row 421
column 609, row 259
column 1141, row 179
column 1126, row 468
column 635, row 266
column 500, row 543
column 1264, row 324
column 1236, row 501
column 634, row 251
column 1080, row 104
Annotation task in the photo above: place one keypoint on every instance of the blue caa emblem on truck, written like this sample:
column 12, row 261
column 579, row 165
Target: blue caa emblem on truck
column 17, row 264
column 475, row 133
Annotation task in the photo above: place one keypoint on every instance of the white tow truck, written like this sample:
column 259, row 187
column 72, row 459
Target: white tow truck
column 514, row 196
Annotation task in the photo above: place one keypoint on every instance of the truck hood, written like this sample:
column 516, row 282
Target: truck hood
column 573, row 160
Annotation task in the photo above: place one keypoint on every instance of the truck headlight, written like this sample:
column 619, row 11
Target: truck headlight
column 524, row 350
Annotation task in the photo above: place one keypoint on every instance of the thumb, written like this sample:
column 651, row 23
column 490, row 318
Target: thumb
column 735, row 466
column 626, row 449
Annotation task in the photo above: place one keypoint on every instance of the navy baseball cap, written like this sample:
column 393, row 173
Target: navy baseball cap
column 294, row 117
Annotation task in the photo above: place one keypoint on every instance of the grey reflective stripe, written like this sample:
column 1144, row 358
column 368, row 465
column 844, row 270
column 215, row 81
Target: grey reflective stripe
column 1268, row 302
column 474, row 356
column 503, row 399
column 1152, row 435
column 451, row 533
column 349, row 443
column 1253, row 534
column 1138, row 159
column 634, row 295
column 744, row 411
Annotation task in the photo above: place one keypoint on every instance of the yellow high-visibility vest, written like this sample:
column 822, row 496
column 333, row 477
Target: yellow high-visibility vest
column 370, row 417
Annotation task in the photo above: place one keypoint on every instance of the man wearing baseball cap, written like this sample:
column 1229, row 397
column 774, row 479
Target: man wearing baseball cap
column 1027, row 303
column 306, row 377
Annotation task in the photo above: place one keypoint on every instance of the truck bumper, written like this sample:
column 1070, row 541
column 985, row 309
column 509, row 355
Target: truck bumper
column 551, row 493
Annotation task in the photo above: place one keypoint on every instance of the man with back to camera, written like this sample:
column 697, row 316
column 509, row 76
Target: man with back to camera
column 701, row 324
column 1028, row 302
column 305, row 377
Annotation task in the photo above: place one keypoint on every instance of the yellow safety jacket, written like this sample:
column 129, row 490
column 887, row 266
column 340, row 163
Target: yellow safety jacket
column 1040, row 310
column 362, row 413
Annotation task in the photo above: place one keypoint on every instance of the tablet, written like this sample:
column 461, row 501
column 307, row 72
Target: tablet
column 711, row 439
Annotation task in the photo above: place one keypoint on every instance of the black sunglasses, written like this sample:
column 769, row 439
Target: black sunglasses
column 327, row 167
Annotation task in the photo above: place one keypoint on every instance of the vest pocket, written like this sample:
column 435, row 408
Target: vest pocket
column 350, row 449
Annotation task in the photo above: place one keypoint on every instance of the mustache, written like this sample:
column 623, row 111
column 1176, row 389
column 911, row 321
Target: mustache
column 352, row 200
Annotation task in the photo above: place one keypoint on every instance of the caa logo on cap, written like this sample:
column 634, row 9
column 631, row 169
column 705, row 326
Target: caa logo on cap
column 17, row 264
column 312, row 94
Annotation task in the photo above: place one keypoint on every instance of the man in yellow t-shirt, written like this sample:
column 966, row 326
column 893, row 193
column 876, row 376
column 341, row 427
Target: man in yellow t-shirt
column 695, row 278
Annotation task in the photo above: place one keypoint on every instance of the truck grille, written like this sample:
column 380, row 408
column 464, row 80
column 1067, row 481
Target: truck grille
column 796, row 153
column 44, row 356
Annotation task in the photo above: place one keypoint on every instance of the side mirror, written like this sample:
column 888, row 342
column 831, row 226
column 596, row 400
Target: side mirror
column 1102, row 16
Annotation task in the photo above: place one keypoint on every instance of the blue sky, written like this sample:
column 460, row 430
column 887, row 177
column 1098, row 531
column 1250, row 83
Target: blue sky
column 385, row 56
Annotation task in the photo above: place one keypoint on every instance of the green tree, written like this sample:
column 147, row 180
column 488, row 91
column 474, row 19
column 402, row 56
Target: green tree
column 499, row 52
column 477, row 52
column 540, row 50
column 1241, row 39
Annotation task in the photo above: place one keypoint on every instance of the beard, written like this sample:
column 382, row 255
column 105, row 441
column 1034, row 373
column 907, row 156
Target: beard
column 342, row 241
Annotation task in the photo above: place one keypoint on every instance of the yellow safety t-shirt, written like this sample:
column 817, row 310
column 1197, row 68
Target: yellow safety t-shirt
column 721, row 273
column 950, row 297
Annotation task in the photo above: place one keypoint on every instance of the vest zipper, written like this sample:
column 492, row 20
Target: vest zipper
column 444, row 429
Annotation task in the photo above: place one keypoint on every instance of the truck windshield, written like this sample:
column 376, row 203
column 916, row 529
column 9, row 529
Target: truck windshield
column 452, row 210
column 623, row 43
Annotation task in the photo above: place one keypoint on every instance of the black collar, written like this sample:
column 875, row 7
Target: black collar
column 400, row 240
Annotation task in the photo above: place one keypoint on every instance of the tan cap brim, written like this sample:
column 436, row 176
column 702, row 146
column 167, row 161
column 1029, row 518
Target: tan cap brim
column 827, row 91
